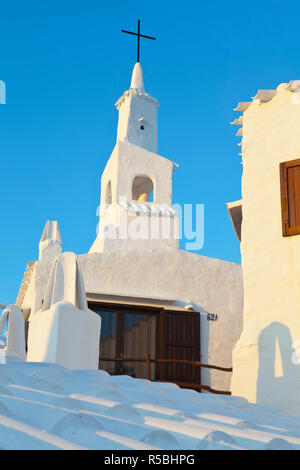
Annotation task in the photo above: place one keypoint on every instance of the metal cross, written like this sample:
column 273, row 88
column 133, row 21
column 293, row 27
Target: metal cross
column 139, row 35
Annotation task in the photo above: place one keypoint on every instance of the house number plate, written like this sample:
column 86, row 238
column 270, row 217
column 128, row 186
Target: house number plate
column 212, row 317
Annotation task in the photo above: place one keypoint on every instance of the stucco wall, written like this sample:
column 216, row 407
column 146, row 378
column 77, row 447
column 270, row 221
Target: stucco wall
column 263, row 367
column 128, row 161
column 132, row 110
column 211, row 285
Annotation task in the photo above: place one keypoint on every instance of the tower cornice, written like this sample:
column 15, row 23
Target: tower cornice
column 135, row 92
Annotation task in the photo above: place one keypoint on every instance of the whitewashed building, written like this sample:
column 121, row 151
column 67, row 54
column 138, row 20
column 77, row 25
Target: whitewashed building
column 267, row 221
column 153, row 297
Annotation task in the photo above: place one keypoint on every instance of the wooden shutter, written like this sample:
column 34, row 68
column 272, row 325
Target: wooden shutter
column 180, row 340
column 290, row 197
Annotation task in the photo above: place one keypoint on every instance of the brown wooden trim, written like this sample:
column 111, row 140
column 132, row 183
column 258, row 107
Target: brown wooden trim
column 109, row 306
column 197, row 387
column 119, row 342
column 159, row 344
column 198, row 339
column 291, row 163
column 288, row 200
column 113, row 307
column 193, row 363
column 166, row 361
column 284, row 199
column 148, row 366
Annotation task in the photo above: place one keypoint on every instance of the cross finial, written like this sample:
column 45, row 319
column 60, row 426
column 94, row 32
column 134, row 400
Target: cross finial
column 139, row 35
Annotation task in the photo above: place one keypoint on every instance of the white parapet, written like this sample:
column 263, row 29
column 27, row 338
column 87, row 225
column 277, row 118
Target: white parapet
column 64, row 331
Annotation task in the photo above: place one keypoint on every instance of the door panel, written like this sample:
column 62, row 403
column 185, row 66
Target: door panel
column 139, row 335
column 126, row 333
column 108, row 341
column 181, row 340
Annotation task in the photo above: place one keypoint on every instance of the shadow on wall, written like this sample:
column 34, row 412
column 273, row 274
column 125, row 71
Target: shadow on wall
column 278, row 380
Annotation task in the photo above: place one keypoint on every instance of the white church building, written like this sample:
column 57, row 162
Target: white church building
column 153, row 298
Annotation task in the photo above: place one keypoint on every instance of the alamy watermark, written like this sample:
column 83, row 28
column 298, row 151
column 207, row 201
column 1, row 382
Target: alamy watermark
column 2, row 92
column 137, row 220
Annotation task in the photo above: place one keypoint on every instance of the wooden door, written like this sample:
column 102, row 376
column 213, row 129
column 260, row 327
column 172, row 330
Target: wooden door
column 180, row 338
column 132, row 332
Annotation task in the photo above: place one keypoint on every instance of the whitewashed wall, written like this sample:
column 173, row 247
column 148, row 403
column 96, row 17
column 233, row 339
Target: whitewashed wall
column 264, row 370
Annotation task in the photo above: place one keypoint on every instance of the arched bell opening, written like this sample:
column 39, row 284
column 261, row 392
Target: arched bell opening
column 142, row 189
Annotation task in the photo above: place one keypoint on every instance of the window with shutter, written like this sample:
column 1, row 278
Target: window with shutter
column 290, row 197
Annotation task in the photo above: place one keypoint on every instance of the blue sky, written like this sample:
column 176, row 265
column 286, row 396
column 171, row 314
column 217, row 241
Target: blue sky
column 65, row 63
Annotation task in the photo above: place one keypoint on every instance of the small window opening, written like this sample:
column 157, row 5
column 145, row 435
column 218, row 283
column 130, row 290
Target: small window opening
column 142, row 189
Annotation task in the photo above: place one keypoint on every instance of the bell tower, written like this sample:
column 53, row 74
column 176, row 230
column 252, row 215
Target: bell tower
column 136, row 184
